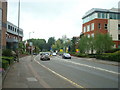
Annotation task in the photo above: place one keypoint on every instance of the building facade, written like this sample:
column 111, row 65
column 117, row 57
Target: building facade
column 3, row 23
column 102, row 21
column 12, row 36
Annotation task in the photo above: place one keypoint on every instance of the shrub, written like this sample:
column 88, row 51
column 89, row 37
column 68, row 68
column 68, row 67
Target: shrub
column 5, row 64
column 110, row 56
column 9, row 59
column 7, row 52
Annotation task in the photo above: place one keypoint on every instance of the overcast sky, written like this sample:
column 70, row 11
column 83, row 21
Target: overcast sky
column 53, row 18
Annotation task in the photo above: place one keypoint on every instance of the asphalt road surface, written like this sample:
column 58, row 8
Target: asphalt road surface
column 68, row 73
column 81, row 72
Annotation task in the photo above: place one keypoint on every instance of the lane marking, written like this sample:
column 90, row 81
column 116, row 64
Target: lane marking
column 70, row 81
column 90, row 66
column 40, row 80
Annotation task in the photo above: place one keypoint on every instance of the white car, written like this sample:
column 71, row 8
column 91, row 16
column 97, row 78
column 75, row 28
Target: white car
column 54, row 54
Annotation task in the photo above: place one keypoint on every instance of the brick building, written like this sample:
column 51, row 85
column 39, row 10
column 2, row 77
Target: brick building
column 102, row 21
column 3, row 23
column 8, row 31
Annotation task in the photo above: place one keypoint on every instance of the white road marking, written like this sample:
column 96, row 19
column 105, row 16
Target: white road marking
column 89, row 66
column 70, row 81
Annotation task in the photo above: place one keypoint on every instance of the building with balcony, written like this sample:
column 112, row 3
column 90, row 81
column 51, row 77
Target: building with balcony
column 102, row 21
column 3, row 23
column 12, row 36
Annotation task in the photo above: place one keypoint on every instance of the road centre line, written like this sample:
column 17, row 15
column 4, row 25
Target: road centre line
column 89, row 66
column 70, row 81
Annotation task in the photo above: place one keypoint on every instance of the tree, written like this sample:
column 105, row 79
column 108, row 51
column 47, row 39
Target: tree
column 103, row 42
column 84, row 44
column 50, row 42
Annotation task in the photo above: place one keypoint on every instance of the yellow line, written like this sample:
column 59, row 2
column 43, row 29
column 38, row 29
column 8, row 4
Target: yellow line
column 70, row 81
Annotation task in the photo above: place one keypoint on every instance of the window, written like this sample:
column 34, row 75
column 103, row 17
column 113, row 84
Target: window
column 99, row 26
column 92, row 35
column 105, row 26
column 92, row 26
column 8, row 26
column 84, row 29
column 11, row 27
column 88, row 27
column 88, row 35
column 15, row 29
column 118, row 26
column 119, row 37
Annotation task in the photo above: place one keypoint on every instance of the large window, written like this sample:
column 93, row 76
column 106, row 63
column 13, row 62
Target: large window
column 88, row 27
column 85, row 29
column 92, row 26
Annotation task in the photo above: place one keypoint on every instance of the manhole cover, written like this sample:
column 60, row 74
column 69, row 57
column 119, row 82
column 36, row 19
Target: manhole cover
column 31, row 79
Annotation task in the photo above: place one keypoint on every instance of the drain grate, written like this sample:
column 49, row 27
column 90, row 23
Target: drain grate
column 32, row 79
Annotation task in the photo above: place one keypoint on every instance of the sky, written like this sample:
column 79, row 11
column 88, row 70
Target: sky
column 53, row 18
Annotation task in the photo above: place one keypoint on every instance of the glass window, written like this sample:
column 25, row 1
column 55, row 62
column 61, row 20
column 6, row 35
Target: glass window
column 88, row 35
column 118, row 26
column 92, row 26
column 119, row 37
column 92, row 35
column 105, row 26
column 84, row 29
column 88, row 27
column 99, row 26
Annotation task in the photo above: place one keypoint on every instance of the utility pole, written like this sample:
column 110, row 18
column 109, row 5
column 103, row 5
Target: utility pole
column 18, row 28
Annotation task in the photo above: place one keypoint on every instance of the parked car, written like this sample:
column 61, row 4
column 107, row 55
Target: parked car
column 54, row 54
column 66, row 56
column 44, row 56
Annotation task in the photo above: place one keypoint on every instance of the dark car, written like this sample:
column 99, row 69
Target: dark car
column 66, row 56
column 44, row 56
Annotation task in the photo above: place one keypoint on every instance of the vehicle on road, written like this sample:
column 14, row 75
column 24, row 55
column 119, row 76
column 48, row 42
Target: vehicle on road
column 44, row 56
column 66, row 56
column 54, row 54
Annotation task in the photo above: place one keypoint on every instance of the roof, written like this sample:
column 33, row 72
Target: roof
column 112, row 10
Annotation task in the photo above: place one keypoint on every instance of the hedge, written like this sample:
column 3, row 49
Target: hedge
column 110, row 56
column 9, row 59
column 5, row 64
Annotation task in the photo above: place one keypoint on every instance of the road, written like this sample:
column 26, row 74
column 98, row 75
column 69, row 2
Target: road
column 72, row 73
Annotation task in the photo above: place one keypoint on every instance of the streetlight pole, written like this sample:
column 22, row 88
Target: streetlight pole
column 31, row 47
column 18, row 27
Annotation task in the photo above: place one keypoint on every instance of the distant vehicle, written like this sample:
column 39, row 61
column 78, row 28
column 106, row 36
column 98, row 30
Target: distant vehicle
column 66, row 56
column 44, row 56
column 54, row 54
column 34, row 53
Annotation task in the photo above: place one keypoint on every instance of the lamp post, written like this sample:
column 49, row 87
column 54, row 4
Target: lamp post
column 18, row 28
column 31, row 47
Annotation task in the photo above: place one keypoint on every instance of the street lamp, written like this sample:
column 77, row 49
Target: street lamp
column 18, row 27
column 31, row 48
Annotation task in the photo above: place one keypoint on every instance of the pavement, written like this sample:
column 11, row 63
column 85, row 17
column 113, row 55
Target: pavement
column 21, row 76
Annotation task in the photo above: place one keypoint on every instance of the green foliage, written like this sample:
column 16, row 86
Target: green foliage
column 5, row 64
column 110, row 56
column 7, row 52
column 103, row 42
column 9, row 59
